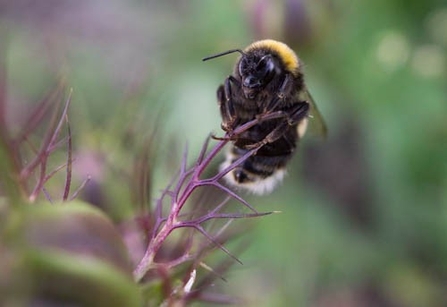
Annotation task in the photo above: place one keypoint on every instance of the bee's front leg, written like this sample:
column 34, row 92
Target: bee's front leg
column 284, row 90
column 226, row 103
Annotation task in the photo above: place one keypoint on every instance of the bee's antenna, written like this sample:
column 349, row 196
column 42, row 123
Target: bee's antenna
column 222, row 54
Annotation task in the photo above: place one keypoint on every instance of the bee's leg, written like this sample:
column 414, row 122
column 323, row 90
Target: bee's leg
column 300, row 112
column 285, row 88
column 227, row 112
column 292, row 115
column 274, row 135
column 225, row 99
column 297, row 114
column 271, row 106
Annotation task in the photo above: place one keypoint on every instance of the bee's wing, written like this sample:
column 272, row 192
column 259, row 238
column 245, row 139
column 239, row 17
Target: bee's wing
column 316, row 122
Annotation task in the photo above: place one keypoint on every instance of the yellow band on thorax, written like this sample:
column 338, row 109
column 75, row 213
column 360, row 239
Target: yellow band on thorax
column 286, row 55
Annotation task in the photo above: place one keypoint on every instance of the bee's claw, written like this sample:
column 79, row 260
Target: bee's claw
column 255, row 145
column 218, row 138
column 222, row 138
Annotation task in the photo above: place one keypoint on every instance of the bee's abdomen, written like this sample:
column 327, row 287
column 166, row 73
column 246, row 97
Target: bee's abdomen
column 259, row 174
column 261, row 166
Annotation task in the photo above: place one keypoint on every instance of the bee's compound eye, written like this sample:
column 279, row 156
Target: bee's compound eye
column 266, row 69
column 263, row 63
column 242, row 67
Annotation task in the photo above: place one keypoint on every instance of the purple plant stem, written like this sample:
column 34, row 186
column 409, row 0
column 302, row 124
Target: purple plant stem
column 180, row 196
column 154, row 245
column 46, row 149
column 69, row 162
column 177, row 204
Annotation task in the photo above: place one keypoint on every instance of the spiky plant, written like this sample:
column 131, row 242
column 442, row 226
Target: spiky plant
column 58, row 250
column 176, row 198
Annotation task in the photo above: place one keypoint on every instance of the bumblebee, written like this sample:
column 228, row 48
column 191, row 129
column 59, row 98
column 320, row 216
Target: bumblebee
column 267, row 85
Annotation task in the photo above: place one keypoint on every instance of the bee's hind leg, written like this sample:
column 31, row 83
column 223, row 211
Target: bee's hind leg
column 299, row 113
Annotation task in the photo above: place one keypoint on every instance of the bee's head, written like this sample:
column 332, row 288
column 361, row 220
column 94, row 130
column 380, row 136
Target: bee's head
column 256, row 72
column 256, row 68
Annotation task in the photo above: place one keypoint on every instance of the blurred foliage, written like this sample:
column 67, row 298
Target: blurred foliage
column 364, row 213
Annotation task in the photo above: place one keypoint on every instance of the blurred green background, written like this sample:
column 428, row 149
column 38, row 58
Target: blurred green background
column 364, row 214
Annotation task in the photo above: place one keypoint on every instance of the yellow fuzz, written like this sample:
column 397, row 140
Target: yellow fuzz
column 286, row 55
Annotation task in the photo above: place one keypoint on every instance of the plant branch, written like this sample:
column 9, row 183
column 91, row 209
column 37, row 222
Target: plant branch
column 188, row 180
